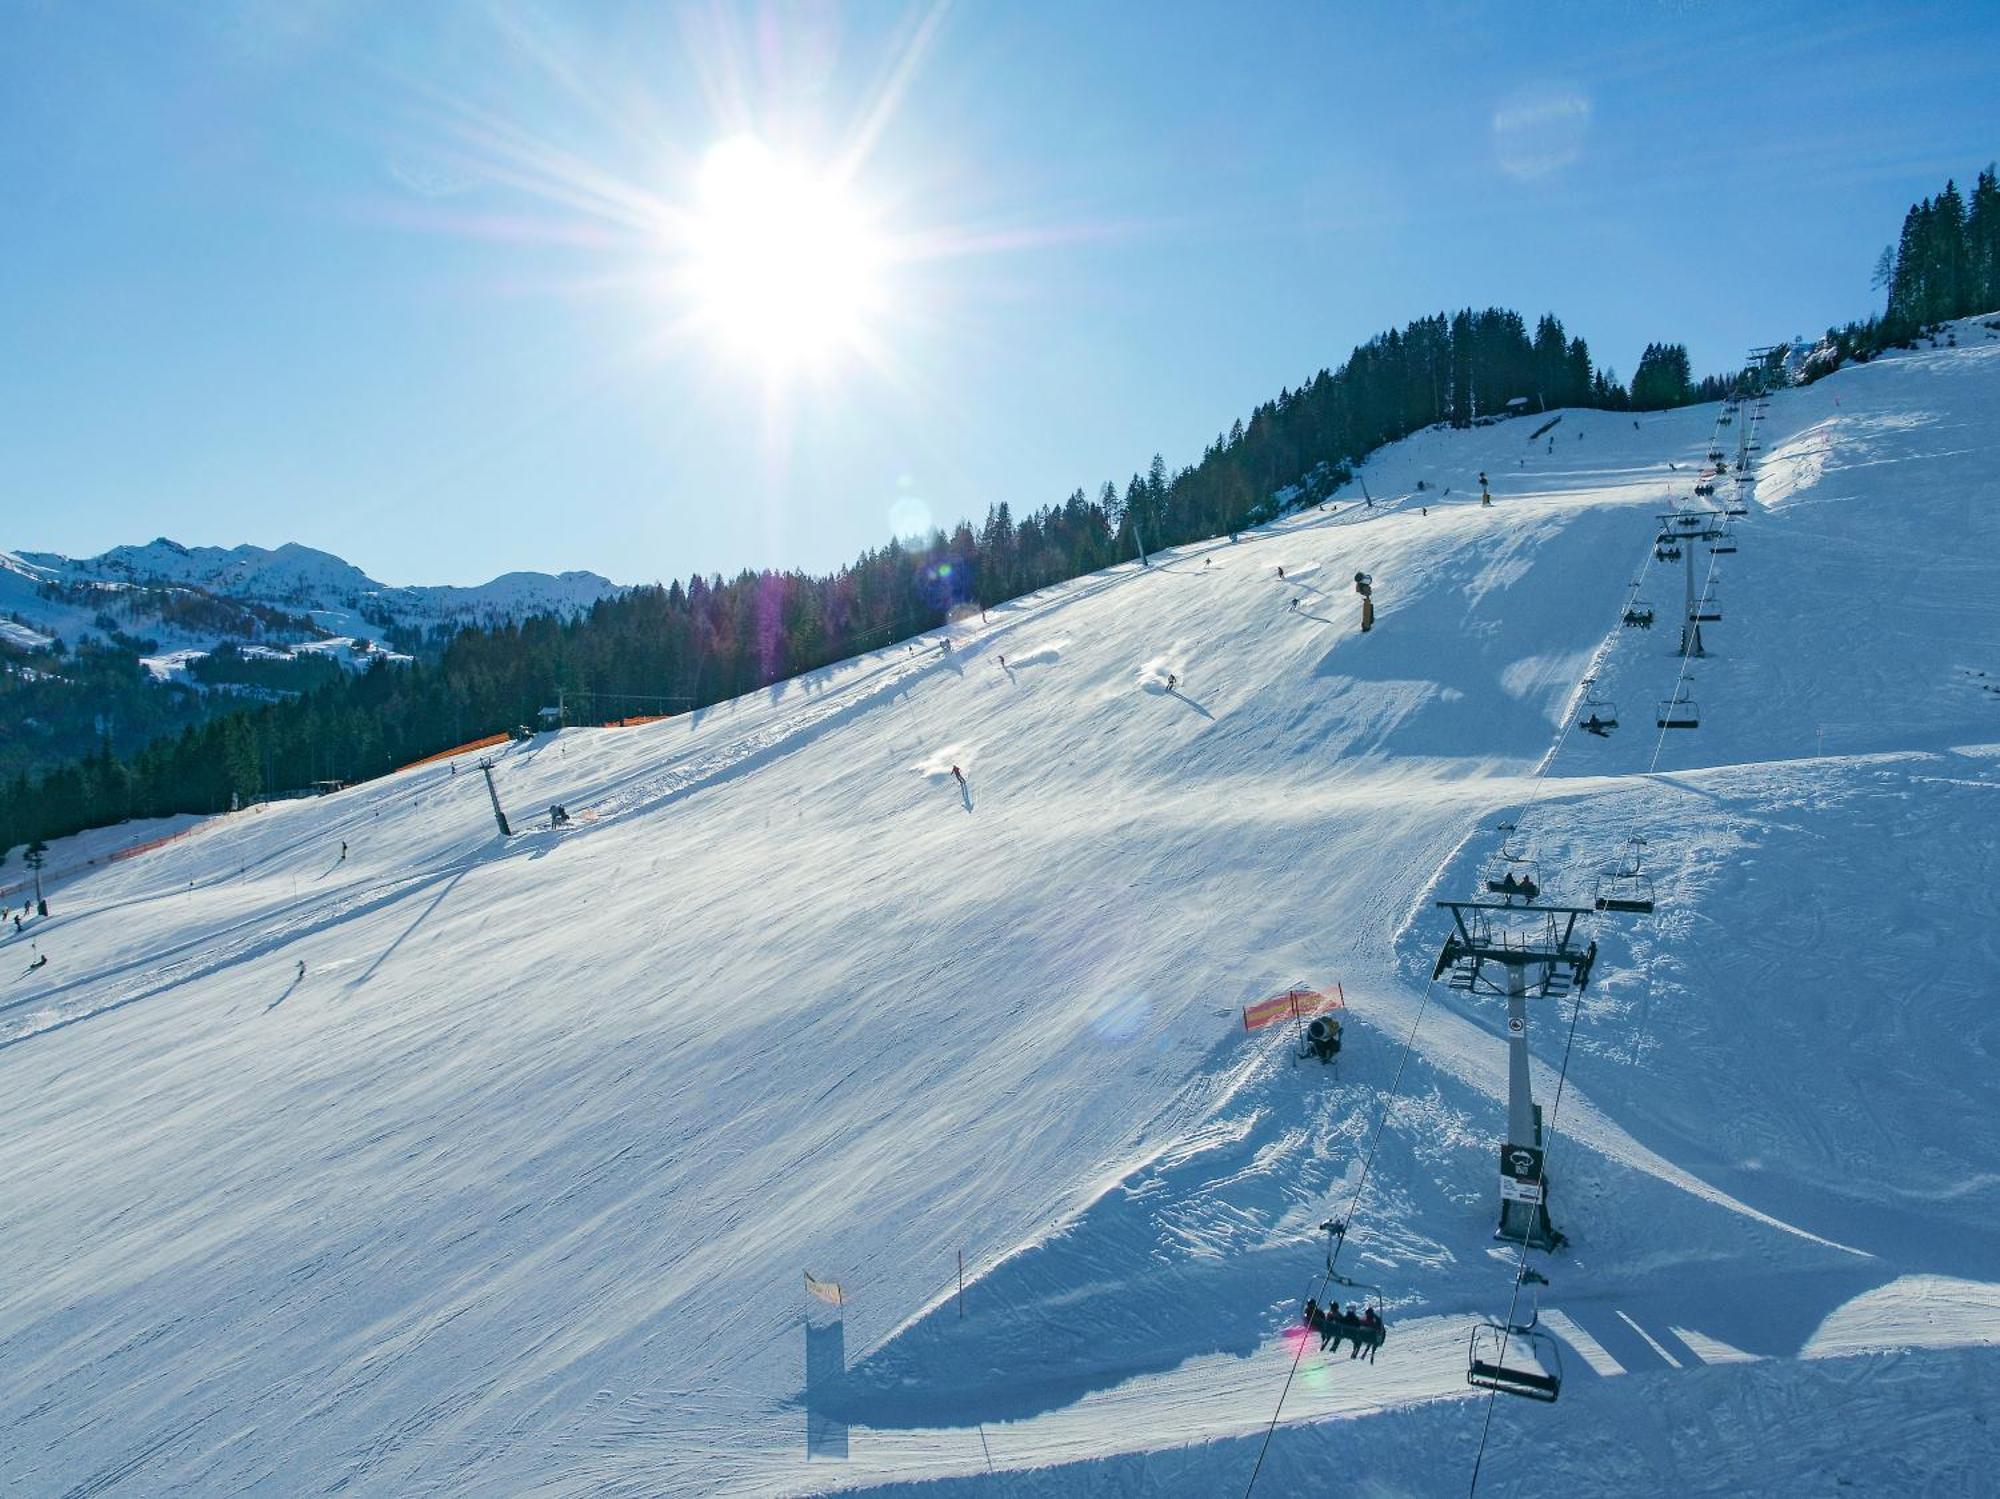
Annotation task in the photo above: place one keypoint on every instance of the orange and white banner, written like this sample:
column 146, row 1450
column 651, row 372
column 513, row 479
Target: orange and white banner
column 826, row 1290
column 1293, row 1004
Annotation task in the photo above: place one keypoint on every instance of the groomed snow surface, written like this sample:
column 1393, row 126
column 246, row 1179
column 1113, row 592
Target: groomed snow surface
column 512, row 1189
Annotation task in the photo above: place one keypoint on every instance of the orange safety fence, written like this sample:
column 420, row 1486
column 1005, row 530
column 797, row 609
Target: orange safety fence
column 1292, row 1004
column 636, row 719
column 458, row 749
column 130, row 851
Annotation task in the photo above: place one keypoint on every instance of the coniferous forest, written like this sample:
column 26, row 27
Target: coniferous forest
column 1945, row 264
column 684, row 646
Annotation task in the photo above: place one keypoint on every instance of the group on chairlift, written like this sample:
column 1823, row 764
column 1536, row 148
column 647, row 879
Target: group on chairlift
column 1361, row 1327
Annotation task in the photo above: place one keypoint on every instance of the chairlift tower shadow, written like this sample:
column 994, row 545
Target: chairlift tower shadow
column 1516, row 949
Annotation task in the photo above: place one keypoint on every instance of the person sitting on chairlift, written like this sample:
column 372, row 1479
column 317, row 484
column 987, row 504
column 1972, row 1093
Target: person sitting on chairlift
column 1372, row 1330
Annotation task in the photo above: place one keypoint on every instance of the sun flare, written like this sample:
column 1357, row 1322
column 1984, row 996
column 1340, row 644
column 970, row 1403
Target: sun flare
column 785, row 270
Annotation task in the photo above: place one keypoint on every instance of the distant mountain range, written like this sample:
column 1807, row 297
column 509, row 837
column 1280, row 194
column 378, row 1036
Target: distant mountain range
column 182, row 598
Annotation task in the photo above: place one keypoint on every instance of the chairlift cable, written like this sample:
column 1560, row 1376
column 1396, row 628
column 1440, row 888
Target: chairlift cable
column 1340, row 1242
column 1688, row 632
column 1521, row 1265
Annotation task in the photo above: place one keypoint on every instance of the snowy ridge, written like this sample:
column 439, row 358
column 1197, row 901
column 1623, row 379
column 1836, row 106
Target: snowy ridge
column 292, row 596
column 511, row 1186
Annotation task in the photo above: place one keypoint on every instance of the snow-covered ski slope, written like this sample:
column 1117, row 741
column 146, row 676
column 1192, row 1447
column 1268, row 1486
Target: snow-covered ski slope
column 512, row 1192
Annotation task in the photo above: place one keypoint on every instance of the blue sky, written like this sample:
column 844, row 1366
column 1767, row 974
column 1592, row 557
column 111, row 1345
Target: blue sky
column 383, row 279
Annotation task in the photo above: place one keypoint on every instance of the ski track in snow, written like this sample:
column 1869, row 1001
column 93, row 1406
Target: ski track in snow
column 511, row 1191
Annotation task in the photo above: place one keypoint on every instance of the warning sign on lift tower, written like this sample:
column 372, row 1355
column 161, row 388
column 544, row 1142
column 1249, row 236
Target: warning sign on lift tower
column 1520, row 1174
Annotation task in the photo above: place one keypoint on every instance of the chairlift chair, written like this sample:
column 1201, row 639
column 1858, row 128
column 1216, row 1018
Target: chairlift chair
column 1708, row 611
column 1602, row 716
column 1666, row 554
column 1511, row 887
column 1626, row 888
column 1519, row 1360
column 1336, row 1234
column 1680, row 712
column 1638, row 615
column 1724, row 544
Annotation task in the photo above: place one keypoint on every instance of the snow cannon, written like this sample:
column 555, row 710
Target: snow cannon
column 1323, row 1037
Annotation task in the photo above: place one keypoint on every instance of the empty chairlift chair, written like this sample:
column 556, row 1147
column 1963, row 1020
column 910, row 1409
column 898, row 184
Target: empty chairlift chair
column 1708, row 611
column 1515, row 1360
column 1680, row 712
column 1626, row 889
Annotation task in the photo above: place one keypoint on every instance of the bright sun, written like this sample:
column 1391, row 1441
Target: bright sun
column 785, row 271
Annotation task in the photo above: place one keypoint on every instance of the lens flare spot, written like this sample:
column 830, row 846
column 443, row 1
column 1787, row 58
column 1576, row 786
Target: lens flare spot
column 1121, row 1019
column 909, row 516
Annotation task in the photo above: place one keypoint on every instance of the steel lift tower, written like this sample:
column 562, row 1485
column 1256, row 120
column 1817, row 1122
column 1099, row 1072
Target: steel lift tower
column 1679, row 530
column 1516, row 949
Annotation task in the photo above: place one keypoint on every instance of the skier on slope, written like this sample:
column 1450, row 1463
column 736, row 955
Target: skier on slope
column 958, row 775
column 343, row 851
column 299, row 977
column 1172, row 681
